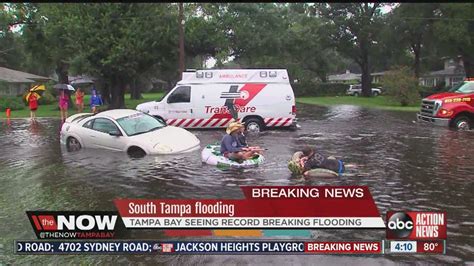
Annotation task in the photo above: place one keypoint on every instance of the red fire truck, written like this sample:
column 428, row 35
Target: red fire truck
column 454, row 108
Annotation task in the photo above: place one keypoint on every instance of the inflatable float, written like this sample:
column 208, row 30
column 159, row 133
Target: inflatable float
column 295, row 168
column 211, row 155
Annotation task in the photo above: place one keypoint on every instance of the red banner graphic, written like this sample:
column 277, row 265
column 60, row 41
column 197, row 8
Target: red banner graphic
column 316, row 201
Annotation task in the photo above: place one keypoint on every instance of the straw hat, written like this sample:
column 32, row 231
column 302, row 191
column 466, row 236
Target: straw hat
column 233, row 126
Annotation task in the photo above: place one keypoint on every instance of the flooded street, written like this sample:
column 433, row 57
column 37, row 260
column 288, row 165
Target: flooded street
column 407, row 166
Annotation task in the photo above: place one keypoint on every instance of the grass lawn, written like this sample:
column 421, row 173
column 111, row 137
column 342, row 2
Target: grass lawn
column 52, row 110
column 379, row 102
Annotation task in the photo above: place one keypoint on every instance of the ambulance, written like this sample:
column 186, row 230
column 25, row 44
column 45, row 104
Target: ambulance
column 261, row 98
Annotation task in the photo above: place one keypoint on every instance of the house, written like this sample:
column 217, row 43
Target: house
column 347, row 77
column 452, row 74
column 377, row 77
column 14, row 82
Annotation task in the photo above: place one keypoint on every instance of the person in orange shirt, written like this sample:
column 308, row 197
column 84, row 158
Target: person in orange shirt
column 79, row 100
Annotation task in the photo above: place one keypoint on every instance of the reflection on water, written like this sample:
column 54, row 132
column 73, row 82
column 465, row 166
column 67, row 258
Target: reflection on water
column 405, row 165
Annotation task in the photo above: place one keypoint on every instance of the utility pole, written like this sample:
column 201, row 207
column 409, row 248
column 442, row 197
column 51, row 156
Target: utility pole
column 181, row 39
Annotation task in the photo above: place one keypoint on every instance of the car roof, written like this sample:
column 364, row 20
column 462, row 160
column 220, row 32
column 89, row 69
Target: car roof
column 117, row 113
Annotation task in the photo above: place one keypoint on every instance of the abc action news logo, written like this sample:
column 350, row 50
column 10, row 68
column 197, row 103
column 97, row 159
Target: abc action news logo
column 416, row 225
column 76, row 224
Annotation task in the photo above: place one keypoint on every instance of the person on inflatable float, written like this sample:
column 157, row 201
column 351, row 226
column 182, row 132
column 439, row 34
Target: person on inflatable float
column 232, row 147
column 315, row 167
column 312, row 160
column 243, row 140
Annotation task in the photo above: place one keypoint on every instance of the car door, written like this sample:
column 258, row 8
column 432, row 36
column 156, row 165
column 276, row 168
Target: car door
column 179, row 108
column 100, row 136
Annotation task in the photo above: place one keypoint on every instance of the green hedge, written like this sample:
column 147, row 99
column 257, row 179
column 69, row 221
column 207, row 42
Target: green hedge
column 14, row 103
column 47, row 98
column 320, row 89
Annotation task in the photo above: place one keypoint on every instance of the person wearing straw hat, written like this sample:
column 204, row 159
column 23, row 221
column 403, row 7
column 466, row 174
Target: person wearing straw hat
column 243, row 140
column 231, row 147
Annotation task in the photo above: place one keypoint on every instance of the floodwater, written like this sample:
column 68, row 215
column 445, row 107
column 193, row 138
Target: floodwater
column 406, row 166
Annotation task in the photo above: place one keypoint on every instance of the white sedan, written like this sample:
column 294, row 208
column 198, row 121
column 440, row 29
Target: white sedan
column 126, row 130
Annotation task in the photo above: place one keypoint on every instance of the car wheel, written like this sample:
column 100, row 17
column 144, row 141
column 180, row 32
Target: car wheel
column 72, row 144
column 253, row 125
column 375, row 93
column 356, row 94
column 462, row 123
column 136, row 152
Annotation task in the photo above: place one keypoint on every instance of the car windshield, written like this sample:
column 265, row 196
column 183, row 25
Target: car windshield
column 139, row 123
column 464, row 87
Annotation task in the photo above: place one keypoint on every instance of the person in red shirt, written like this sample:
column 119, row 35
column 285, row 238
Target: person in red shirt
column 33, row 104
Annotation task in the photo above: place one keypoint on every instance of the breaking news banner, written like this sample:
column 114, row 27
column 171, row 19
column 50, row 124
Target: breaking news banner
column 268, row 207
column 29, row 247
column 272, row 207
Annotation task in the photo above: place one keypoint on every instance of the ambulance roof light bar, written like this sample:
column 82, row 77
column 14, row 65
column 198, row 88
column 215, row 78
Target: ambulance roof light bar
column 202, row 74
column 271, row 74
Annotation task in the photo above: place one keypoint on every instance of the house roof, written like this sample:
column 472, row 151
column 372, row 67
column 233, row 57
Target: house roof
column 345, row 76
column 381, row 73
column 15, row 76
column 452, row 71
column 83, row 79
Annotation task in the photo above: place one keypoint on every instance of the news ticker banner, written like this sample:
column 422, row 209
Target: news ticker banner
column 268, row 207
column 272, row 207
column 31, row 247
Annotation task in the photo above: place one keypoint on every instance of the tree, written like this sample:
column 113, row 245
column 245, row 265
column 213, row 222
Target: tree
column 256, row 32
column 12, row 16
column 454, row 29
column 121, row 42
column 353, row 29
column 49, row 38
column 308, row 52
column 412, row 26
column 204, row 33
column 402, row 85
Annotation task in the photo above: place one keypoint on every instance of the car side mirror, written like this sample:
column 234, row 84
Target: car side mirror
column 115, row 133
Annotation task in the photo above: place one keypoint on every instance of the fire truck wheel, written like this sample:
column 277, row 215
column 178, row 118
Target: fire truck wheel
column 462, row 123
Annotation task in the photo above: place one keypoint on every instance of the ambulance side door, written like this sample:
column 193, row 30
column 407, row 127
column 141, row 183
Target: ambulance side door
column 208, row 101
column 178, row 103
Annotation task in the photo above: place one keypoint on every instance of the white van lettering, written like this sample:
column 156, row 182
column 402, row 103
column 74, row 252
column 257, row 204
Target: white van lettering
column 232, row 76
column 225, row 110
